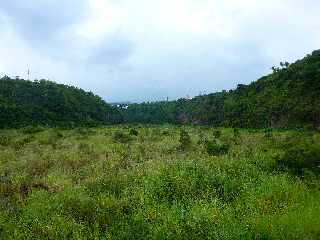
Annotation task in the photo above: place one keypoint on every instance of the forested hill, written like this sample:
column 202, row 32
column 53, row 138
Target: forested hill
column 289, row 97
column 50, row 104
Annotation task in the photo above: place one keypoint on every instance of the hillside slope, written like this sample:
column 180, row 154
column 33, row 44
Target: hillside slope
column 289, row 97
column 51, row 104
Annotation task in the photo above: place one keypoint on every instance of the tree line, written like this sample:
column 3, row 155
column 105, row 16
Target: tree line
column 286, row 98
column 47, row 103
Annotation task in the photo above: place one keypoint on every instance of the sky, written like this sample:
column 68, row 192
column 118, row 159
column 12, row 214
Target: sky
column 148, row 50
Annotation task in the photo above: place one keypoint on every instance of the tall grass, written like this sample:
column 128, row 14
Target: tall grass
column 157, row 182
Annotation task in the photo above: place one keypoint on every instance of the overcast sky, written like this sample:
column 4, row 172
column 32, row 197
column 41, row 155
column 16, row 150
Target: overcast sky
column 146, row 50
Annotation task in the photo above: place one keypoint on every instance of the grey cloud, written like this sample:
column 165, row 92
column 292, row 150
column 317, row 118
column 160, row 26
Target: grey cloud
column 114, row 50
column 40, row 20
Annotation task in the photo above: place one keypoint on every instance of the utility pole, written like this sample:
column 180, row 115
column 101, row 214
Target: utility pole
column 28, row 74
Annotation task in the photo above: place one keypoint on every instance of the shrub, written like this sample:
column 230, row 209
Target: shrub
column 236, row 132
column 133, row 132
column 20, row 143
column 299, row 157
column 166, row 133
column 185, row 140
column 121, row 137
column 268, row 133
column 216, row 133
column 84, row 131
column 202, row 138
column 4, row 140
column 32, row 129
column 216, row 148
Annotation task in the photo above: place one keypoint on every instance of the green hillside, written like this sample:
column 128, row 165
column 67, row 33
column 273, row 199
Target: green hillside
column 50, row 104
column 289, row 97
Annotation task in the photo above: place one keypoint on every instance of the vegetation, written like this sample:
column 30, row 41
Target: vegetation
column 287, row 98
column 112, row 183
column 230, row 175
column 45, row 103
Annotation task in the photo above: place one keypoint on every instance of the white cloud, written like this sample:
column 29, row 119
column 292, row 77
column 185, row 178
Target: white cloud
column 150, row 49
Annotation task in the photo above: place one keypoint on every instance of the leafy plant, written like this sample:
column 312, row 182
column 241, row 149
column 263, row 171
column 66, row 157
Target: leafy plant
column 32, row 129
column 121, row 137
column 216, row 133
column 185, row 140
column 4, row 140
column 217, row 148
column 133, row 132
column 301, row 156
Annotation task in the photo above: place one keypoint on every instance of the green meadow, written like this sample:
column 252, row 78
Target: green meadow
column 159, row 182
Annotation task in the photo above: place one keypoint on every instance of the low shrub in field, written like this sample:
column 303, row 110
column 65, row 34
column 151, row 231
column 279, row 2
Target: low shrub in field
column 301, row 156
column 4, row 140
column 121, row 137
column 20, row 143
column 84, row 131
column 32, row 129
column 217, row 148
column 188, row 182
column 185, row 140
column 165, row 133
column 268, row 133
column 236, row 132
column 201, row 137
column 133, row 132
column 51, row 138
column 216, row 133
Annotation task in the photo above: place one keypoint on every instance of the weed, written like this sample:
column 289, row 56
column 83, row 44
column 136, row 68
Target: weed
column 217, row 148
column 185, row 140
column 133, row 132
column 301, row 156
column 216, row 133
column 121, row 137
column 4, row 140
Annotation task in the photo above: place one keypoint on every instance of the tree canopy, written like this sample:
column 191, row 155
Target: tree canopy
column 50, row 104
column 289, row 97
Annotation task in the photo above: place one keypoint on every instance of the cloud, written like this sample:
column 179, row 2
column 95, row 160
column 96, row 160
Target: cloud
column 112, row 51
column 149, row 49
column 36, row 20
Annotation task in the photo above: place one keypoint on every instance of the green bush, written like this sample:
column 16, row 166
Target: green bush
column 133, row 132
column 185, row 140
column 121, row 137
column 217, row 148
column 32, row 129
column 299, row 157
column 4, row 140
column 268, row 133
column 216, row 133
column 236, row 132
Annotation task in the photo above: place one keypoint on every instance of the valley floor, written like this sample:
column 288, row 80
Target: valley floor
column 154, row 182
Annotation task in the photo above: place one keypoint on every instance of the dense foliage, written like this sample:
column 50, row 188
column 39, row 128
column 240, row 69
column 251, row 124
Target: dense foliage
column 159, row 182
column 49, row 104
column 289, row 97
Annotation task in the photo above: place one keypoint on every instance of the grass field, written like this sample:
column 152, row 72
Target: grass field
column 156, row 182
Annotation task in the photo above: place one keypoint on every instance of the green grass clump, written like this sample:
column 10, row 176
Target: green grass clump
column 4, row 140
column 185, row 140
column 300, row 157
column 105, row 183
column 121, row 137
column 216, row 133
column 217, row 148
